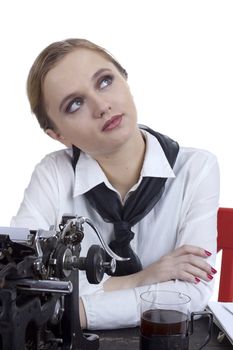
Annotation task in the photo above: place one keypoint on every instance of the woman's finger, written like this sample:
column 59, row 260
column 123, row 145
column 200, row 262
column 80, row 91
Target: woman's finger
column 190, row 249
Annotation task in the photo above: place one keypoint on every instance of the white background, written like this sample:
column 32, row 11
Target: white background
column 179, row 56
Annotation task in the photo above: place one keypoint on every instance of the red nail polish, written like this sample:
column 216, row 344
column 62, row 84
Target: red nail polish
column 213, row 270
column 209, row 276
column 197, row 279
column 208, row 253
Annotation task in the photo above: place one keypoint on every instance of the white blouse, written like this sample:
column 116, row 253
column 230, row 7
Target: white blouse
column 185, row 214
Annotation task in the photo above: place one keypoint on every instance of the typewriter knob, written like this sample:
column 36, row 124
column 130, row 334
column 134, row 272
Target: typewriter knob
column 95, row 264
column 61, row 255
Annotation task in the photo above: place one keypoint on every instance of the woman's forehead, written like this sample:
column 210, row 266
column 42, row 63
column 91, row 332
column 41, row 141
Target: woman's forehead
column 79, row 63
column 75, row 70
column 82, row 59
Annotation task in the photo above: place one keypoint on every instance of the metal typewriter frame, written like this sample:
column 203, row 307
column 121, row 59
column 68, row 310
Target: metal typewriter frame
column 39, row 286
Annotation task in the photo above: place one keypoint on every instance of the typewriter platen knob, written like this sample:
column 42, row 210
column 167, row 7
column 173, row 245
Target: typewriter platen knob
column 94, row 264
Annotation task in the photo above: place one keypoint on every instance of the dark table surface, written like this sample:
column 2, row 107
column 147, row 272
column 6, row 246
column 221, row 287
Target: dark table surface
column 128, row 339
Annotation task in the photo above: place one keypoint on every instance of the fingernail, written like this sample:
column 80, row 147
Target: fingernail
column 197, row 279
column 207, row 253
column 213, row 270
column 209, row 276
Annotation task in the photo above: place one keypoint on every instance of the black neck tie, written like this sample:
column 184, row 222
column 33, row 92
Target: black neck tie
column 108, row 204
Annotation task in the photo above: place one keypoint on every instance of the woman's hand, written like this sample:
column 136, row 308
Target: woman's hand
column 186, row 263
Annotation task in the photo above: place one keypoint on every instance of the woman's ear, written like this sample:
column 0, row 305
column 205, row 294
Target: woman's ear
column 58, row 137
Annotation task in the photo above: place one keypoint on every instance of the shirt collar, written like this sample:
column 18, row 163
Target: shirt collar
column 155, row 163
column 89, row 174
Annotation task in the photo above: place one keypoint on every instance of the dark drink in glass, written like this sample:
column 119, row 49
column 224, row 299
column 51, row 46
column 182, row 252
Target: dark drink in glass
column 166, row 321
column 163, row 329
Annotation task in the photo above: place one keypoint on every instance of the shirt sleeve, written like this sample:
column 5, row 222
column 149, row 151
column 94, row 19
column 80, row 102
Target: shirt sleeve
column 197, row 226
column 38, row 209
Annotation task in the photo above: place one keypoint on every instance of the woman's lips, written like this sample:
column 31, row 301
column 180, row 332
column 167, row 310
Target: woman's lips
column 112, row 123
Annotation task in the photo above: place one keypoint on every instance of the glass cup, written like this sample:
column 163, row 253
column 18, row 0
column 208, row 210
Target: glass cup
column 166, row 321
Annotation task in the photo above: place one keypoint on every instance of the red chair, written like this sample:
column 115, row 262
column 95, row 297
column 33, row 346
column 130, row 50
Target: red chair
column 225, row 243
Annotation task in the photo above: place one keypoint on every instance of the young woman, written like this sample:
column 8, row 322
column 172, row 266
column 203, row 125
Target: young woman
column 150, row 198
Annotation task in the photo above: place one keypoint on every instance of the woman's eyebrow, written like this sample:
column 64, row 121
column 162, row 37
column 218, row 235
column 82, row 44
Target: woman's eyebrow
column 99, row 72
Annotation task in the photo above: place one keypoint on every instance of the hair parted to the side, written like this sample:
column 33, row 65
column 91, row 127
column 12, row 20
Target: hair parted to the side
column 45, row 61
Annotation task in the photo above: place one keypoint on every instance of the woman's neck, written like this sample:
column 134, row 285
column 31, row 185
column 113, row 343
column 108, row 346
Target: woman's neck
column 124, row 166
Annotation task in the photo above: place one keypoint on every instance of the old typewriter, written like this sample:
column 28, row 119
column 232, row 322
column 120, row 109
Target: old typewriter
column 39, row 285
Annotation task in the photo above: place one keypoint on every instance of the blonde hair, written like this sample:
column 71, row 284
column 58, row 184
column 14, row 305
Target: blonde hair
column 46, row 60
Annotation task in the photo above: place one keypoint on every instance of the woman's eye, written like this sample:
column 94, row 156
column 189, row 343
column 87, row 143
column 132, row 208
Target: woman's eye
column 105, row 81
column 74, row 105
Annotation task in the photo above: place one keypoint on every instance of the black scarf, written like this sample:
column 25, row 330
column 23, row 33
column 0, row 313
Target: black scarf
column 107, row 203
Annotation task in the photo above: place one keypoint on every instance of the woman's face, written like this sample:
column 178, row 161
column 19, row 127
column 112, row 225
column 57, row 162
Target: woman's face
column 90, row 102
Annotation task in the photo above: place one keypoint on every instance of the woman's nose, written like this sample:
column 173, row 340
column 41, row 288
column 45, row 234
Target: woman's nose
column 105, row 111
column 101, row 107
